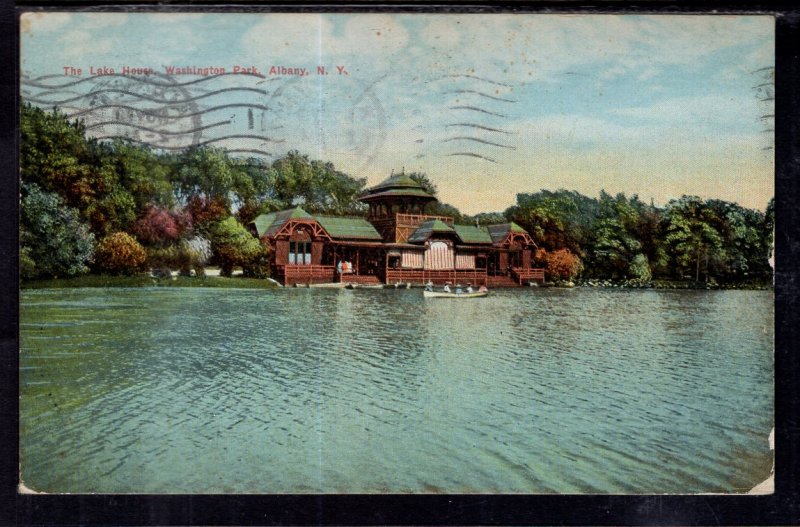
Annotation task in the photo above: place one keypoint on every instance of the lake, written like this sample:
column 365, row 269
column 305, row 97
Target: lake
column 192, row 390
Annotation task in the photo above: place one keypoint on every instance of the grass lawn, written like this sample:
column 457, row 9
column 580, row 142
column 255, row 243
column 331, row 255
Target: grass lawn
column 144, row 280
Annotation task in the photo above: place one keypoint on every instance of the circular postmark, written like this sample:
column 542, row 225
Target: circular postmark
column 154, row 110
column 340, row 116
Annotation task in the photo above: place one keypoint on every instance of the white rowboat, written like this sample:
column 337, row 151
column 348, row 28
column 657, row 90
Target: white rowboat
column 440, row 294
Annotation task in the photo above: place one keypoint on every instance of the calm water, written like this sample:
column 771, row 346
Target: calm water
column 292, row 391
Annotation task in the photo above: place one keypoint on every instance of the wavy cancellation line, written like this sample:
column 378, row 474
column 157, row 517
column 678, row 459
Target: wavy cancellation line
column 248, row 151
column 156, row 112
column 465, row 76
column 479, row 126
column 476, row 109
column 154, row 130
column 476, row 92
column 471, row 154
column 477, row 140
column 141, row 96
column 201, row 143
column 140, row 78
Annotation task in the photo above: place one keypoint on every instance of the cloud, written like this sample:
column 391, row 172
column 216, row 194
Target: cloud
column 34, row 23
column 78, row 44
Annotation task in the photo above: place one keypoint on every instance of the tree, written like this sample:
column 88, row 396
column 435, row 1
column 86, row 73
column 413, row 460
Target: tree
column 691, row 236
column 556, row 220
column 559, row 265
column 294, row 179
column 233, row 245
column 160, row 227
column 426, row 182
column 209, row 173
column 54, row 242
column 119, row 253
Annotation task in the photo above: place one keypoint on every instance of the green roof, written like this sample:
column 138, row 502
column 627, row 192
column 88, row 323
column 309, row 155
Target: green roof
column 499, row 231
column 268, row 224
column 428, row 227
column 472, row 234
column 348, row 228
column 397, row 180
column 264, row 222
column 396, row 186
column 399, row 192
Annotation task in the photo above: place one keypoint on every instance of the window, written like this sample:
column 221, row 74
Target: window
column 300, row 253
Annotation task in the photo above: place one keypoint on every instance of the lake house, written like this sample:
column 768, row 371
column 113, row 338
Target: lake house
column 397, row 242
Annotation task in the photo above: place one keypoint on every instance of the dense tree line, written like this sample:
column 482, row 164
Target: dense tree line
column 79, row 196
column 118, row 207
column 620, row 237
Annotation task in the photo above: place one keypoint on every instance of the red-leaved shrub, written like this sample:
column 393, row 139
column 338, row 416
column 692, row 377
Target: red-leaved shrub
column 204, row 210
column 559, row 265
column 159, row 226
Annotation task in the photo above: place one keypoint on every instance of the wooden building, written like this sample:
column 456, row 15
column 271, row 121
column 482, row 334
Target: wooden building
column 397, row 242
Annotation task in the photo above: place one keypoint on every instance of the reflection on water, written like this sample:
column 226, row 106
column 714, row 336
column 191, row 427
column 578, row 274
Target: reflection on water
column 291, row 391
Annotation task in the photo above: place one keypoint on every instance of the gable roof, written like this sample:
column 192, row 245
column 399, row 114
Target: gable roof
column 499, row 231
column 428, row 227
column 336, row 227
column 472, row 234
column 268, row 224
column 348, row 228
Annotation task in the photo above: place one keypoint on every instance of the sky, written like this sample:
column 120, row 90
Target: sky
column 487, row 105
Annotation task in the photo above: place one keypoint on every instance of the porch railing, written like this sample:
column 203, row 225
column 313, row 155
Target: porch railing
column 521, row 274
column 307, row 274
column 437, row 276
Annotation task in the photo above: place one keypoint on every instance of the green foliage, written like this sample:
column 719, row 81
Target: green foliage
column 445, row 209
column 560, row 219
column 119, row 254
column 317, row 186
column 639, row 268
column 54, row 242
column 208, row 172
column 233, row 245
column 691, row 237
column 77, row 187
column 426, row 182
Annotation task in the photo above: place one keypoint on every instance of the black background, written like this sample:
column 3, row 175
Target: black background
column 781, row 508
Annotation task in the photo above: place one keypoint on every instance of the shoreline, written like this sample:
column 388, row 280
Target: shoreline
column 212, row 278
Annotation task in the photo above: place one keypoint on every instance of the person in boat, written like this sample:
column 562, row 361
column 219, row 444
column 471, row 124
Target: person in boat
column 458, row 289
column 446, row 287
column 469, row 288
column 483, row 289
column 429, row 286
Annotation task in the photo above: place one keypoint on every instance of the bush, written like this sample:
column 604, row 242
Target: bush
column 194, row 254
column 233, row 245
column 205, row 211
column 258, row 265
column 559, row 265
column 639, row 269
column 53, row 240
column 159, row 226
column 119, row 253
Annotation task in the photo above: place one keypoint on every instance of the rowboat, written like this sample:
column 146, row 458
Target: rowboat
column 441, row 294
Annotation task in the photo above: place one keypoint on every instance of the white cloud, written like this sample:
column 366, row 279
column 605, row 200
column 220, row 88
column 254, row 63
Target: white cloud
column 77, row 44
column 33, row 23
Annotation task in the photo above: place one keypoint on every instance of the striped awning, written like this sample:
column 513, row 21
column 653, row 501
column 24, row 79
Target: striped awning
column 439, row 255
column 411, row 260
column 465, row 261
